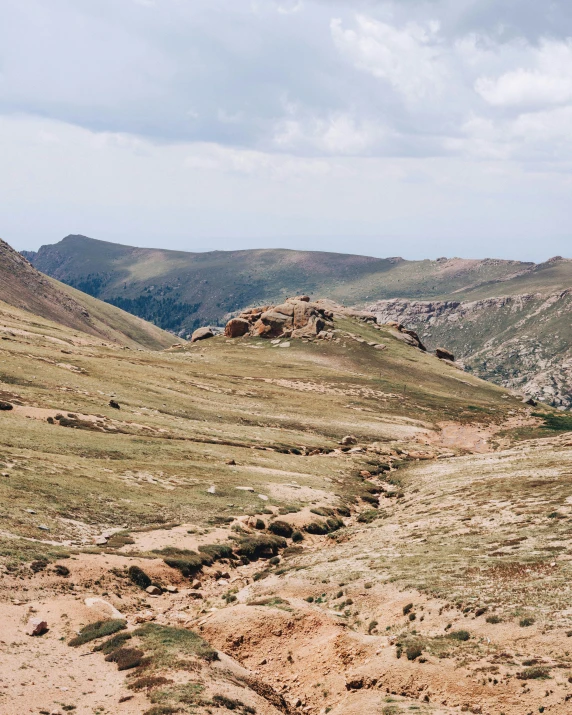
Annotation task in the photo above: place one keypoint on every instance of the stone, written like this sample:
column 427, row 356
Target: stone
column 43, row 527
column 114, row 404
column 349, row 439
column 231, row 462
column 202, row 334
column 171, row 589
column 211, row 490
column 6, row 406
column 530, row 401
column 36, row 627
column 444, row 354
column 153, row 590
column 284, row 345
column 236, row 328
column 100, row 541
column 196, row 584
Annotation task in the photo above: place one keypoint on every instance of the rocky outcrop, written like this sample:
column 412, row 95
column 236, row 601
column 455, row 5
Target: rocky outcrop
column 523, row 342
column 236, row 328
column 296, row 317
column 444, row 354
column 202, row 334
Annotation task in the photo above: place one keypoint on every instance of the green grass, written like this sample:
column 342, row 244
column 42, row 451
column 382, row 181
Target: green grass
column 166, row 644
column 99, row 629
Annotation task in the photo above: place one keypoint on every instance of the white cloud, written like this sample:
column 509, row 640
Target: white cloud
column 338, row 134
column 546, row 81
column 410, row 59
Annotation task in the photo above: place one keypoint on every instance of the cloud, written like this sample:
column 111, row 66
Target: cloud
column 547, row 82
column 410, row 58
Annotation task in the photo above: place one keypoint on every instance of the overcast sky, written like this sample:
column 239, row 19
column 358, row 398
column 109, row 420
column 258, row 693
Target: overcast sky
column 385, row 128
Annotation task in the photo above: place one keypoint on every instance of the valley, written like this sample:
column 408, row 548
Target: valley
column 335, row 523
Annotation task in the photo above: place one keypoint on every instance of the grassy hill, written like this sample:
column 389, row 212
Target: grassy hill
column 24, row 287
column 180, row 291
column 445, row 576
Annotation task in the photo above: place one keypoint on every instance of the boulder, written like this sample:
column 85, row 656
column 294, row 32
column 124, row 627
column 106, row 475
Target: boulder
column 349, row 439
column 272, row 324
column 153, row 590
column 201, row 334
column 444, row 354
column 114, row 404
column 236, row 328
column 6, row 406
column 36, row 627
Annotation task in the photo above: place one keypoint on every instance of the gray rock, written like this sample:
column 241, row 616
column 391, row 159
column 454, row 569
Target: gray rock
column 202, row 334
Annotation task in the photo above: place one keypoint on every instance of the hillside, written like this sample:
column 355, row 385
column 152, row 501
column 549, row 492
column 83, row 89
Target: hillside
column 24, row 287
column 340, row 523
column 180, row 291
column 522, row 342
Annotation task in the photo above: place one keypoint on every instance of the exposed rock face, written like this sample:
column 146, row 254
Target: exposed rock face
column 296, row 317
column 444, row 354
column 202, row 334
column 236, row 328
column 523, row 342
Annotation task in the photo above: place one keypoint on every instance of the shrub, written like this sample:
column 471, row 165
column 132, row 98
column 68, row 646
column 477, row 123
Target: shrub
column 525, row 622
column 297, row 536
column 113, row 643
column 126, row 658
column 61, row 570
column 167, row 642
column 322, row 511
column 216, row 551
column 260, row 545
column 334, row 523
column 139, row 577
column 370, row 499
column 343, row 511
column 281, row 528
column 260, row 525
column 459, row 635
column 186, row 561
column 413, row 651
column 228, row 703
column 407, row 608
column 372, row 626
column 366, row 517
column 274, row 561
column 536, row 673
column 148, row 682
column 99, row 629
column 316, row 527
column 493, row 619
column 161, row 710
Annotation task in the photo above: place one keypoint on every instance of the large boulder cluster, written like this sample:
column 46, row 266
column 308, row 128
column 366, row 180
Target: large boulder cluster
column 296, row 318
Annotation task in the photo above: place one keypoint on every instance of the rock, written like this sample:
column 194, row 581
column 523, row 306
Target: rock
column 211, row 490
column 196, row 595
column 196, row 584
column 202, row 334
column 236, row 328
column 349, row 439
column 153, row 590
column 530, row 401
column 245, row 489
column 444, row 354
column 263, row 497
column 114, row 404
column 100, row 541
column 231, row 462
column 6, row 406
column 36, row 627
column 171, row 589
column 284, row 345
column 43, row 527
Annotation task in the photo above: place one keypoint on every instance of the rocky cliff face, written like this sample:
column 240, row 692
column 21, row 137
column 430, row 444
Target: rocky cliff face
column 522, row 342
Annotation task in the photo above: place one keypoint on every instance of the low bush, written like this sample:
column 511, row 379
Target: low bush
column 99, row 629
column 126, row 658
column 260, row 545
column 343, row 511
column 139, row 577
column 493, row 619
column 281, row 528
column 367, row 517
column 407, row 608
column 216, row 551
column 149, row 682
column 525, row 622
column 297, row 536
column 186, row 561
column 167, row 643
column 319, row 528
column 535, row 673
column 322, row 511
column 413, row 651
column 459, row 635
column 113, row 643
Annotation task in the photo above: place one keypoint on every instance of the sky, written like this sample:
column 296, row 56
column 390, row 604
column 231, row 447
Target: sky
column 412, row 128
